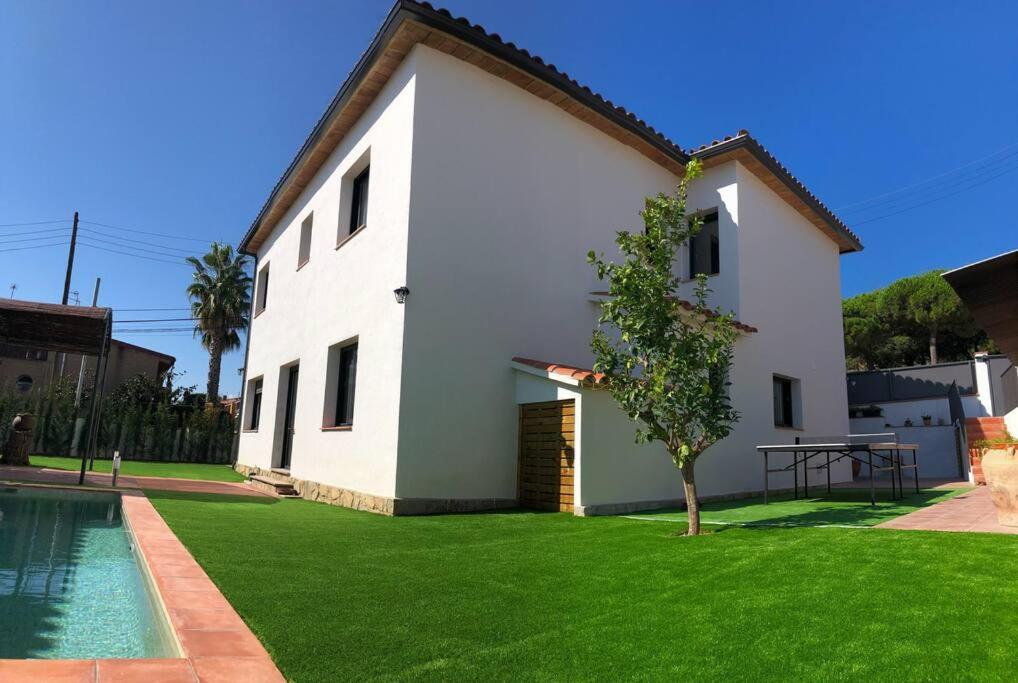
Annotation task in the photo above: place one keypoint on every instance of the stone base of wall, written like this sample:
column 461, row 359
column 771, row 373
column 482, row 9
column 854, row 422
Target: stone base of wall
column 648, row 505
column 384, row 505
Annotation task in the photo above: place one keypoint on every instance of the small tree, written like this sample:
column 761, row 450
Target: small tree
column 666, row 365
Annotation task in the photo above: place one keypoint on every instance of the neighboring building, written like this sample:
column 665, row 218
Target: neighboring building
column 989, row 289
column 491, row 176
column 28, row 368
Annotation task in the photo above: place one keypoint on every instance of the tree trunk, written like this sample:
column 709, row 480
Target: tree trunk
column 692, row 502
column 215, row 364
column 933, row 346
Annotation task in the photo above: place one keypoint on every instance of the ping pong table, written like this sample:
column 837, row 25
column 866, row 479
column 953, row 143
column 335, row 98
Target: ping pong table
column 881, row 452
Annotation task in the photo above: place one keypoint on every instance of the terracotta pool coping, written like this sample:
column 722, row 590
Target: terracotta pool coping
column 216, row 644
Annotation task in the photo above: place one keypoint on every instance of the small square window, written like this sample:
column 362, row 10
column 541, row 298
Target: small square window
column 340, row 385
column 359, row 200
column 254, row 395
column 347, row 385
column 304, row 253
column 787, row 402
column 262, row 297
column 705, row 248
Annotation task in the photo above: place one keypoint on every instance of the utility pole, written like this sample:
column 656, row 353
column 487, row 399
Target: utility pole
column 79, row 422
column 70, row 259
column 67, row 279
column 14, row 286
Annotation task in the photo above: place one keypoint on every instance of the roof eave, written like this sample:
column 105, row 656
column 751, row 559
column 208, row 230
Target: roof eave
column 476, row 36
column 848, row 242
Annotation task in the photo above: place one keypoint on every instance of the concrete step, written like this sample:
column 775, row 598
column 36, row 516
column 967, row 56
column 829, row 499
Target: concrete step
column 272, row 485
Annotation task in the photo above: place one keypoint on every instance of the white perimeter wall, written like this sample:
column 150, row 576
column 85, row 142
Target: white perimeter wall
column 338, row 295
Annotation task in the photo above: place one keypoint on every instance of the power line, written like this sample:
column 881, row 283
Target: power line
column 939, row 186
column 127, row 239
column 145, row 232
column 130, row 247
column 935, row 199
column 931, row 178
column 34, row 246
column 32, row 239
column 152, row 309
column 174, row 320
column 18, row 233
column 17, row 225
column 136, row 255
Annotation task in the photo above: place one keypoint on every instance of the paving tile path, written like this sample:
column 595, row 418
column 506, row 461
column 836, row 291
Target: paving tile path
column 44, row 475
column 969, row 511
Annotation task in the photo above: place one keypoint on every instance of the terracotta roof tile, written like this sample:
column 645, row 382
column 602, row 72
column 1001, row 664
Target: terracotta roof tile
column 689, row 306
column 579, row 374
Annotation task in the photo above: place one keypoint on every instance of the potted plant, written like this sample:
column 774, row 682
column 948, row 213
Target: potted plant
column 908, row 422
column 927, row 420
column 999, row 459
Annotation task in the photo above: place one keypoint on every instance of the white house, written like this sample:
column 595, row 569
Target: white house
column 473, row 178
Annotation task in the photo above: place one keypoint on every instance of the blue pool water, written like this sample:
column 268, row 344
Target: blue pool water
column 70, row 584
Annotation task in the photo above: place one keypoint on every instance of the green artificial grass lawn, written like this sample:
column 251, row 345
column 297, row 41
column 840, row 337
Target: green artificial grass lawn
column 336, row 594
column 141, row 468
column 841, row 507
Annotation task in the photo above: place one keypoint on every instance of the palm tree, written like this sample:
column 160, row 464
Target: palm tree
column 220, row 300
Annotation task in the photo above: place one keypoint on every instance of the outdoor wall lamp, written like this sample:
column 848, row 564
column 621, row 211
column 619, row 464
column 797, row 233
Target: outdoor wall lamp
column 401, row 294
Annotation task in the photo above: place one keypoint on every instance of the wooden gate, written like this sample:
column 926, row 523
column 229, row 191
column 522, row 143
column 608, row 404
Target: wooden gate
column 547, row 431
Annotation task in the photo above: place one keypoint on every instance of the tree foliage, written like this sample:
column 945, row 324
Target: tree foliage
column 912, row 321
column 666, row 366
column 220, row 299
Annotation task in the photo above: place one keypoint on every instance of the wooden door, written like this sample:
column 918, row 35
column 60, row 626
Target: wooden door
column 547, row 432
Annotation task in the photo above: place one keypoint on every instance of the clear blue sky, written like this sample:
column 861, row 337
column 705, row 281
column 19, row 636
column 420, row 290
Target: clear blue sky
column 177, row 118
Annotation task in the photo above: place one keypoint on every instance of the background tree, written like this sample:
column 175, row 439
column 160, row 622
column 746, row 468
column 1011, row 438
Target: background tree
column 220, row 300
column 665, row 366
column 912, row 321
column 927, row 303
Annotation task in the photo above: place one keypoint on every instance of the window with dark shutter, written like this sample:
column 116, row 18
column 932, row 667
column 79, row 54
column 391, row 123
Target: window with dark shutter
column 346, row 386
column 705, row 248
column 359, row 201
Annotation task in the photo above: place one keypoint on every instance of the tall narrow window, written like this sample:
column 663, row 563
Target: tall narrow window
column 705, row 248
column 346, row 385
column 256, row 404
column 304, row 253
column 783, row 413
column 359, row 201
column 263, row 289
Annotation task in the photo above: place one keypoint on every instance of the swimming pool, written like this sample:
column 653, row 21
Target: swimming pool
column 71, row 586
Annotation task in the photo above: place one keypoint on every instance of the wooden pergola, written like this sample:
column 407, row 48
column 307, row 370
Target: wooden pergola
column 84, row 330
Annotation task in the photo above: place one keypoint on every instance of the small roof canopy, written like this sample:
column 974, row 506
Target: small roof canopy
column 989, row 290
column 53, row 327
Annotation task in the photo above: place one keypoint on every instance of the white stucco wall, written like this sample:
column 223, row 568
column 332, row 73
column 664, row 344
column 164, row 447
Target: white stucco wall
column 484, row 201
column 1011, row 422
column 509, row 192
column 340, row 294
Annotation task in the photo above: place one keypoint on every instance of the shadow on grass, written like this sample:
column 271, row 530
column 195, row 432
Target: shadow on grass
column 842, row 507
